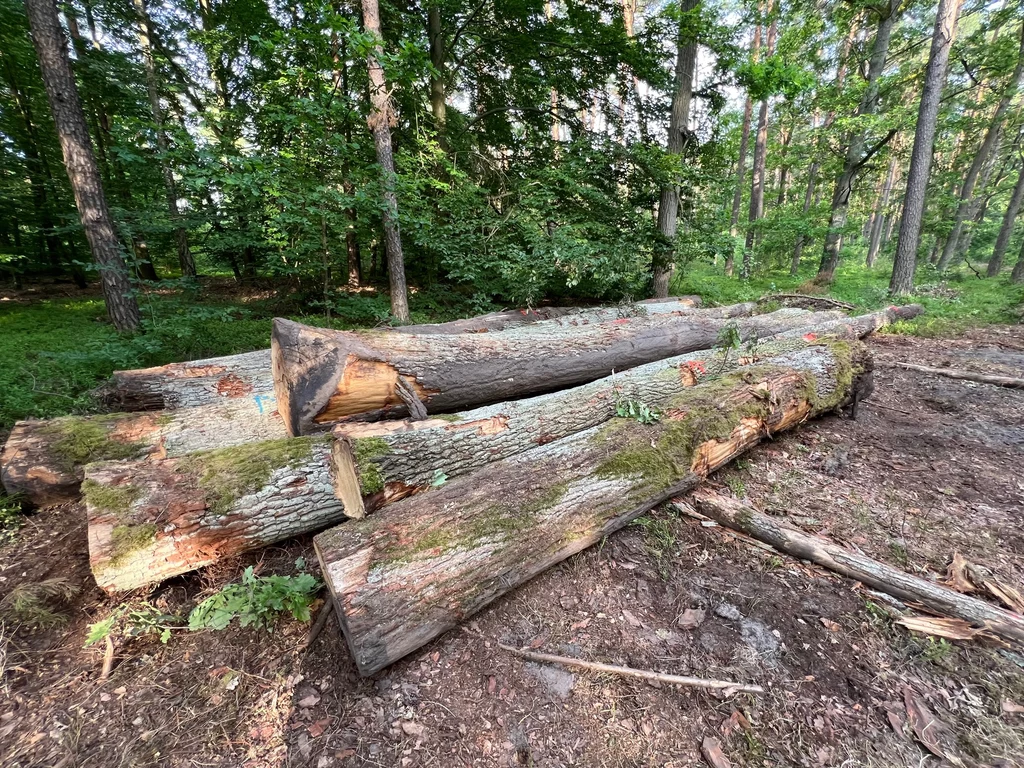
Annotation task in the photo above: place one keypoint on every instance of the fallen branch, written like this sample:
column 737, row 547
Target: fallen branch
column 953, row 373
column 805, row 298
column 643, row 674
column 741, row 516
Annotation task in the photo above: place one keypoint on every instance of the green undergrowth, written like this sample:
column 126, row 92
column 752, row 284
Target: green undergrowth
column 227, row 474
column 954, row 301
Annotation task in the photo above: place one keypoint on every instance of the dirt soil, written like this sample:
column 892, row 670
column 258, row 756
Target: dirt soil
column 930, row 467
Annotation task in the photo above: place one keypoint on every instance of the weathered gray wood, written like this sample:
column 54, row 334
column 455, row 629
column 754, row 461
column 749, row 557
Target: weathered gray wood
column 419, row 567
column 150, row 520
column 742, row 516
column 323, row 376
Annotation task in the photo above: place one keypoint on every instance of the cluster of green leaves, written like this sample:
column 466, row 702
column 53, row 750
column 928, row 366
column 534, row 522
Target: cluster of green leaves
column 11, row 518
column 131, row 620
column 257, row 601
column 637, row 410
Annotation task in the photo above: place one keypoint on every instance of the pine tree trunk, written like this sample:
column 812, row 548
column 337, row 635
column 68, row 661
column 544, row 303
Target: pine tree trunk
column 435, row 36
column 988, row 146
column 855, row 157
column 66, row 108
column 878, row 222
column 323, row 376
column 420, row 567
column 382, row 117
column 678, row 130
column 1017, row 276
column 905, row 262
column 995, row 264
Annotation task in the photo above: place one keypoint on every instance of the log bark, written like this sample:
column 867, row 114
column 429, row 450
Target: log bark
column 741, row 516
column 419, row 567
column 1010, row 382
column 323, row 376
column 398, row 458
column 149, row 521
column 201, row 382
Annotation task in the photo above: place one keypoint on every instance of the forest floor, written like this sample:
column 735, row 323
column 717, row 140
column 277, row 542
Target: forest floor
column 929, row 468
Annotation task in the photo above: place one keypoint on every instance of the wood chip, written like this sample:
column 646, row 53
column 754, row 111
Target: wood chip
column 953, row 629
column 691, row 618
column 1007, row 595
column 711, row 749
column 956, row 575
column 926, row 726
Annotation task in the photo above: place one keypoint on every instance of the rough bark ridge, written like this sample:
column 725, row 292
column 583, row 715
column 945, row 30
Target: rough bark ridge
column 758, row 166
column 995, row 263
column 741, row 516
column 84, row 175
column 322, row 376
column 395, row 459
column 419, row 567
column 202, row 382
column 149, row 521
column 881, row 214
column 905, row 262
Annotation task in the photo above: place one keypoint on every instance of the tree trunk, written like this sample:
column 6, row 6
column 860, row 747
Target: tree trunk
column 877, row 224
column 855, row 155
column 741, row 169
column 905, row 262
column 760, row 159
column 784, row 168
column 985, row 151
column 995, row 264
column 69, row 119
column 150, row 520
column 801, row 239
column 323, row 376
column 382, row 117
column 395, row 459
column 678, row 131
column 741, row 516
column 185, row 260
column 435, row 37
column 1017, row 276
column 420, row 567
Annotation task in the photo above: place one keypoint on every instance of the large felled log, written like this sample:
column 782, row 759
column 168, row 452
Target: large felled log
column 150, row 520
column 323, row 376
column 417, row 568
column 247, row 375
column 44, row 460
column 397, row 458
column 743, row 517
column 1011, row 382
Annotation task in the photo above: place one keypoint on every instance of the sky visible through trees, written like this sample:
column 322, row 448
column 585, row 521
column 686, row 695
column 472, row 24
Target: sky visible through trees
column 508, row 151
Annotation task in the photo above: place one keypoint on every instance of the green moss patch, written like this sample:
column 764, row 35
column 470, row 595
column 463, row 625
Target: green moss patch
column 227, row 474
column 116, row 499
column 80, row 440
column 125, row 539
column 366, row 450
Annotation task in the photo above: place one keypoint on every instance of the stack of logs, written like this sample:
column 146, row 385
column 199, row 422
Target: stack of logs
column 466, row 457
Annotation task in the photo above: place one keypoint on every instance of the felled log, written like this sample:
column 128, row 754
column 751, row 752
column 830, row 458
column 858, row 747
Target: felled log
column 247, row 375
column 936, row 598
column 417, row 568
column 1011, row 382
column 150, row 520
column 323, row 376
column 44, row 460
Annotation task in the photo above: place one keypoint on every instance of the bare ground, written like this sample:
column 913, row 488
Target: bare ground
column 930, row 467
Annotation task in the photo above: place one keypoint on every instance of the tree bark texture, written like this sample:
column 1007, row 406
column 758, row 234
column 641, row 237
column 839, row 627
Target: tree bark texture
column 758, row 169
column 380, row 121
column 83, row 173
column 905, row 262
column 995, row 263
column 741, row 516
column 323, row 376
column 988, row 146
column 881, row 213
column 149, row 521
column 418, row 568
column 678, row 129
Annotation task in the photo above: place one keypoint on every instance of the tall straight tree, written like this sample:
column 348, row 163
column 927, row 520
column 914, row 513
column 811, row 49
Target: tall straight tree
column 760, row 160
column 678, row 131
column 83, row 173
column 995, row 264
column 741, row 162
column 881, row 211
column 982, row 156
column 856, row 156
column 381, row 117
column 905, row 262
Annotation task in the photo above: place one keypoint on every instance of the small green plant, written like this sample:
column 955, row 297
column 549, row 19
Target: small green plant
column 256, row 601
column 737, row 486
column 639, row 411
column 660, row 540
column 11, row 519
column 35, row 604
column 133, row 620
column 728, row 339
column 936, row 649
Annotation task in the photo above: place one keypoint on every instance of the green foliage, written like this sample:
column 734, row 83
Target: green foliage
column 637, row 410
column 256, row 601
column 131, row 620
column 11, row 518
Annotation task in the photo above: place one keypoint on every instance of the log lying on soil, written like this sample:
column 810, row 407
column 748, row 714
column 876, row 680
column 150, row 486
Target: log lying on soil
column 397, row 458
column 323, row 376
column 150, row 520
column 201, row 382
column 417, row 568
column 936, row 598
column 44, row 460
column 952, row 373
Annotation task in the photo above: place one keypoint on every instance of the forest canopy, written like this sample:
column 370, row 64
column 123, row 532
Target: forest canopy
column 593, row 149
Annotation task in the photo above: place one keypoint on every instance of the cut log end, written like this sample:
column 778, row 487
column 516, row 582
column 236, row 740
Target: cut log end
column 345, row 476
